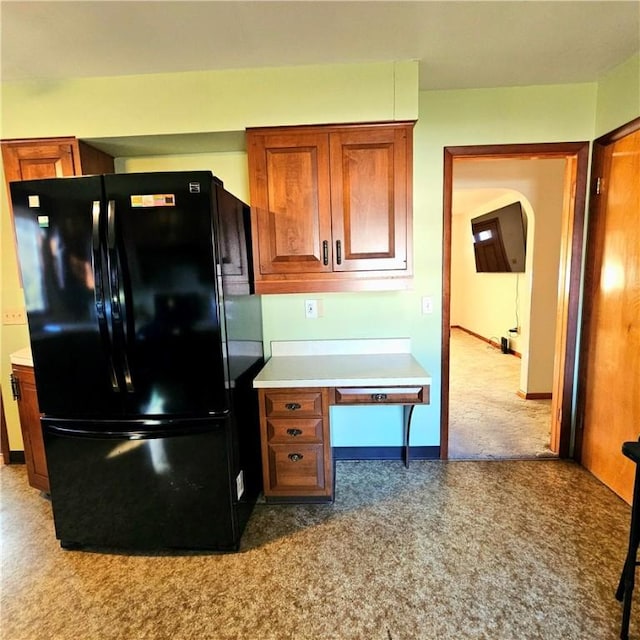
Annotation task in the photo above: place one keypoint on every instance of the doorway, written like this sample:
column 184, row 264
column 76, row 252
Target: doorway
column 576, row 160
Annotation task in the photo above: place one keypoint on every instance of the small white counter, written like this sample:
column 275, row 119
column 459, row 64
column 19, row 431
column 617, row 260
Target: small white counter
column 334, row 363
column 22, row 356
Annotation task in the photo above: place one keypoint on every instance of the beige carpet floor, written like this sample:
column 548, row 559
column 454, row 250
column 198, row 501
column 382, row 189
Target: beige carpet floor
column 487, row 419
column 496, row 550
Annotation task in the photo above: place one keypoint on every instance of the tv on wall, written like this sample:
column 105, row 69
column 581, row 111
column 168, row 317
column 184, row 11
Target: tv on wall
column 500, row 240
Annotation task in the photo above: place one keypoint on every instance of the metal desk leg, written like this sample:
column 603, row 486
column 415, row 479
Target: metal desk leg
column 408, row 412
column 624, row 593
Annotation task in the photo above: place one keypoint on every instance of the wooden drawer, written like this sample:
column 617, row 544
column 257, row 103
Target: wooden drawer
column 294, row 431
column 297, row 470
column 382, row 395
column 288, row 404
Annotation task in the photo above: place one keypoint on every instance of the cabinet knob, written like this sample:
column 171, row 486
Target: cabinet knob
column 378, row 397
column 293, row 406
column 295, row 457
column 338, row 252
column 294, row 432
column 325, row 252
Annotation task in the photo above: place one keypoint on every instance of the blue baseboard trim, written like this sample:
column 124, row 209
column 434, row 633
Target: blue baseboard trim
column 385, row 453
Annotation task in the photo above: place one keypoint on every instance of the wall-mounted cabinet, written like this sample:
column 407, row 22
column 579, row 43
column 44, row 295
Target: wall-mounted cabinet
column 32, row 159
column 331, row 207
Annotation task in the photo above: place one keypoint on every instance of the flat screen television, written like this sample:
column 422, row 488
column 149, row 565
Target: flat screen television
column 500, row 240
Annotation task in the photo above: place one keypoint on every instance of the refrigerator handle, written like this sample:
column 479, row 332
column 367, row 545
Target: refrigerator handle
column 117, row 294
column 98, row 292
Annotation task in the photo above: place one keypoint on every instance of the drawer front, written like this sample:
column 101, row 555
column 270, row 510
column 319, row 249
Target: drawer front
column 291, row 431
column 382, row 395
column 302, row 404
column 297, row 470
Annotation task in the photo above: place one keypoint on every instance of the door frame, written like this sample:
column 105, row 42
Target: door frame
column 597, row 161
column 579, row 153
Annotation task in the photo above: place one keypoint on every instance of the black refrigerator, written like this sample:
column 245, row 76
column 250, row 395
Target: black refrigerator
column 146, row 336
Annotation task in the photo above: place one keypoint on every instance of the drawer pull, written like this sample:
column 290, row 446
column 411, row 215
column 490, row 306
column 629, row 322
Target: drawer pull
column 378, row 397
column 295, row 457
column 293, row 406
column 294, row 432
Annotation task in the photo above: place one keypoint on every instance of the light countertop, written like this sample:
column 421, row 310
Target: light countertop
column 22, row 356
column 337, row 363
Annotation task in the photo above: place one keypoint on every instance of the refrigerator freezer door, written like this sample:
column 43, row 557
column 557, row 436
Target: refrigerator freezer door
column 172, row 491
column 58, row 228
column 162, row 278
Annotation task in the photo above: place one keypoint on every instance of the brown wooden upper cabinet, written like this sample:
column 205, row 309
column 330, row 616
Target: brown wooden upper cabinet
column 32, row 159
column 331, row 207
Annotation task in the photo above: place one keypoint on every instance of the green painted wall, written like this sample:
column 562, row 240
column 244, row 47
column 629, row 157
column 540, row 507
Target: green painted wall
column 229, row 101
column 618, row 96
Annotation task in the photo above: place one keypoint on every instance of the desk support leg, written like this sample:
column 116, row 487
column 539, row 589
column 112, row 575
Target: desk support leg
column 408, row 412
column 624, row 593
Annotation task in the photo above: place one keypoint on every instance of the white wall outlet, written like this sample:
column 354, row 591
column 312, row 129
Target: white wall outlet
column 427, row 304
column 310, row 309
column 240, row 484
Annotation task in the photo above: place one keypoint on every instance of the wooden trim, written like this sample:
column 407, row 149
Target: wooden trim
column 534, row 396
column 579, row 150
column 445, row 358
column 590, row 277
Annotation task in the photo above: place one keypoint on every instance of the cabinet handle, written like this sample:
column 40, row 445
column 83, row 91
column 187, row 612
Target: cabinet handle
column 325, row 253
column 294, row 432
column 295, row 457
column 378, row 397
column 15, row 387
column 339, row 251
column 292, row 406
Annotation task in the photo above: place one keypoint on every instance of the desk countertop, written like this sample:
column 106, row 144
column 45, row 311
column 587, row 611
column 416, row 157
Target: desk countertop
column 336, row 363
column 22, row 356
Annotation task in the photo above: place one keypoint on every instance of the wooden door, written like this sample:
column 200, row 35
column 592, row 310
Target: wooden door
column 369, row 191
column 610, row 377
column 289, row 183
column 564, row 307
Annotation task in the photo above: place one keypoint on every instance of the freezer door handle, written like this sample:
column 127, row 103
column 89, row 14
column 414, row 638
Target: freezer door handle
column 98, row 291
column 114, row 279
column 117, row 294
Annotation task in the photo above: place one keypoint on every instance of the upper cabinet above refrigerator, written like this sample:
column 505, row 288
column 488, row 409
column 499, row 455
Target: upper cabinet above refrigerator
column 331, row 207
column 32, row 159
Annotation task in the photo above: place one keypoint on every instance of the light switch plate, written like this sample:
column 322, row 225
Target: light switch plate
column 427, row 304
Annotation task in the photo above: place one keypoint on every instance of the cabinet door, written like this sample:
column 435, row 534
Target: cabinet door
column 35, row 159
column 290, row 199
column 32, row 159
column 29, row 414
column 370, row 191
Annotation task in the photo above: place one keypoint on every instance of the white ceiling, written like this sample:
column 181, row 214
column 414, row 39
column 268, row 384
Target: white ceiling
column 459, row 44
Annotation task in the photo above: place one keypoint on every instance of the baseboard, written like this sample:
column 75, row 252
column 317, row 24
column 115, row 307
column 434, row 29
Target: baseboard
column 385, row 453
column 534, row 396
column 15, row 457
column 493, row 343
